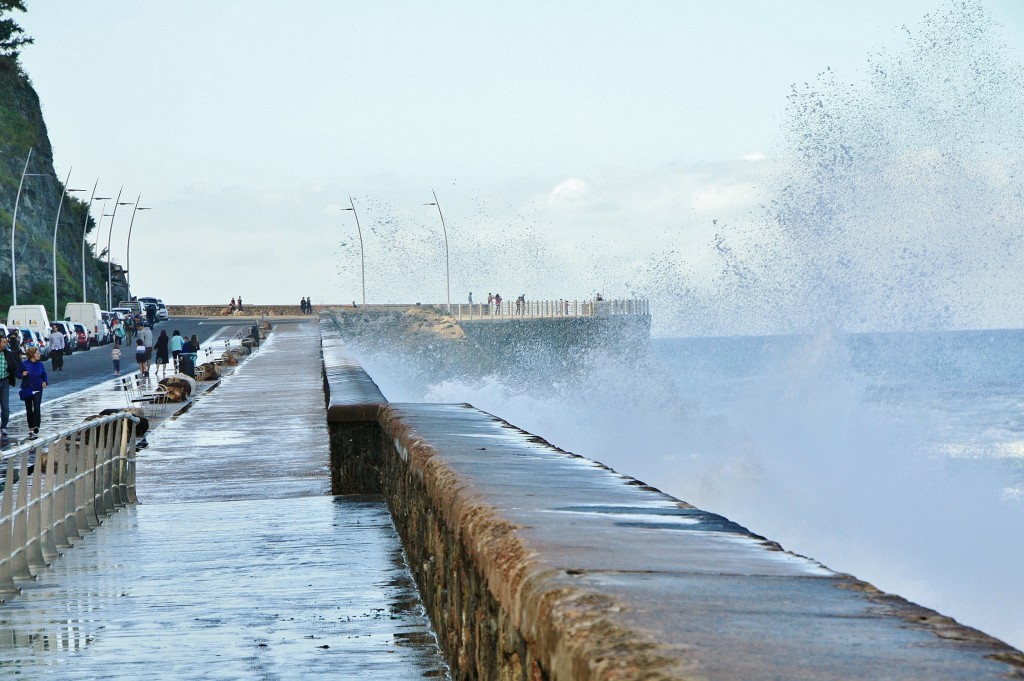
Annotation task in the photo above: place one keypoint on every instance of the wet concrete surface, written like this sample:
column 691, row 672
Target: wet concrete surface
column 236, row 564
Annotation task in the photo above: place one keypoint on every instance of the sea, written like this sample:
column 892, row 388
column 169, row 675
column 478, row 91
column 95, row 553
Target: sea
column 894, row 457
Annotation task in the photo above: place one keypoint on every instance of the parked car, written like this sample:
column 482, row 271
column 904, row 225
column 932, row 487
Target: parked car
column 82, row 337
column 32, row 338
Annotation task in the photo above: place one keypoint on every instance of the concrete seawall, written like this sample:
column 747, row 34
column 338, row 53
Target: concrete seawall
column 535, row 563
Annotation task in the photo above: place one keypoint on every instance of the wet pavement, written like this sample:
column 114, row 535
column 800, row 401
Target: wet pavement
column 236, row 564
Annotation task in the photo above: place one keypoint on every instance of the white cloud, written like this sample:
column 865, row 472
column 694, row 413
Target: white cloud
column 571, row 189
column 754, row 157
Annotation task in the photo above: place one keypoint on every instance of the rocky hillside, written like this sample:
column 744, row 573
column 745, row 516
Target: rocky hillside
column 22, row 127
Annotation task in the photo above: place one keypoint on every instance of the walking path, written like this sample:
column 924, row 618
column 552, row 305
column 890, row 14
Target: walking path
column 236, row 564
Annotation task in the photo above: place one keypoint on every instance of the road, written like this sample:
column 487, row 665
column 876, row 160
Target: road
column 88, row 367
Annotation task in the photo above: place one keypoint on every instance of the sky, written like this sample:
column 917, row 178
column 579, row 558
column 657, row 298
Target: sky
column 570, row 144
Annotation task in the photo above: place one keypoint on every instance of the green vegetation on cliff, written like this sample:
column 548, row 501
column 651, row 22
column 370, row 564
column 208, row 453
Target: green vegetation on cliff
column 22, row 128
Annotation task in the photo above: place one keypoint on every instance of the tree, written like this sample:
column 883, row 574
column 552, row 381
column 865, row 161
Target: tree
column 11, row 35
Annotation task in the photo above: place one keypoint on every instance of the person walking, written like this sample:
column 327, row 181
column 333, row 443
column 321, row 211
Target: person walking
column 470, row 297
column 8, row 377
column 232, row 306
column 14, row 345
column 239, row 303
column 176, row 344
column 146, row 336
column 140, row 356
column 33, row 380
column 115, row 355
column 56, row 344
column 162, row 352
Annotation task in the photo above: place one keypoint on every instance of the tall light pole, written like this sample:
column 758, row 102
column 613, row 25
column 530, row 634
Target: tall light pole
column 447, row 278
column 14, row 225
column 63, row 190
column 128, row 248
column 85, row 229
column 110, row 284
column 362, row 259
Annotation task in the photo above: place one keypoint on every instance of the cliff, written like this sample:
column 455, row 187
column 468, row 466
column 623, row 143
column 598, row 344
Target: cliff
column 22, row 127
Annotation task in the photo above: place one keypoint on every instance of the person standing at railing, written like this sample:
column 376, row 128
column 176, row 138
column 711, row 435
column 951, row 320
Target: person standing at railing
column 497, row 303
column 8, row 377
column 33, row 380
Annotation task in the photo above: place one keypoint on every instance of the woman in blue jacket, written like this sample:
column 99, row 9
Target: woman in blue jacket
column 33, row 380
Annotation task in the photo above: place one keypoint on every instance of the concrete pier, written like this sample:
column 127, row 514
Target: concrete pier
column 237, row 563
column 537, row 563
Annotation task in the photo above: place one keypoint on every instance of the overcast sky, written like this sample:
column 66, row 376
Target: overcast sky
column 567, row 141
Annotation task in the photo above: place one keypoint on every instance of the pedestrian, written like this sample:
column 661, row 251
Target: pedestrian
column 115, row 355
column 146, row 336
column 176, row 344
column 33, row 380
column 309, row 305
column 56, row 343
column 239, row 303
column 140, row 355
column 14, row 345
column 193, row 343
column 497, row 303
column 470, row 297
column 8, row 377
column 162, row 348
column 302, row 306
column 151, row 316
column 232, row 306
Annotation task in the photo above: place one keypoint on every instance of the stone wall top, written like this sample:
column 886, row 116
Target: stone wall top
column 608, row 578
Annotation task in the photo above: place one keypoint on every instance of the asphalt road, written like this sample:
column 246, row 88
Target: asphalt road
column 87, row 367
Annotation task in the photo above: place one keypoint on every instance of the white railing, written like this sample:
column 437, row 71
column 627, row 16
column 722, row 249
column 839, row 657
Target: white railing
column 512, row 309
column 57, row 488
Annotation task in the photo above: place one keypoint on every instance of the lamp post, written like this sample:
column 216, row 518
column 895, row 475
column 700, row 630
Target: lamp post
column 447, row 278
column 362, row 259
column 14, row 225
column 85, row 229
column 128, row 248
column 113, row 216
column 63, row 190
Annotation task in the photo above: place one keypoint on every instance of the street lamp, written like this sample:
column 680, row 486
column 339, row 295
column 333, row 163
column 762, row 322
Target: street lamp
column 14, row 225
column 110, row 284
column 447, row 278
column 85, row 229
column 63, row 190
column 128, row 249
column 362, row 259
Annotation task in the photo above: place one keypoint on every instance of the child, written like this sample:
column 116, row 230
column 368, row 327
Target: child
column 140, row 354
column 115, row 355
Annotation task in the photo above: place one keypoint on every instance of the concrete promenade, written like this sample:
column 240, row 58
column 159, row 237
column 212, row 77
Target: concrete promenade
column 237, row 563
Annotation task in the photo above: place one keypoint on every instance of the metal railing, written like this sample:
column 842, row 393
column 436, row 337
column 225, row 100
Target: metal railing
column 59, row 487
column 512, row 309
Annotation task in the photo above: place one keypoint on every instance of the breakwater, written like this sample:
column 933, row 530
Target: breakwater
column 535, row 563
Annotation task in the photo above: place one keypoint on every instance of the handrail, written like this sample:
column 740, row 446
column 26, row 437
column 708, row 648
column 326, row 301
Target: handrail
column 511, row 309
column 59, row 487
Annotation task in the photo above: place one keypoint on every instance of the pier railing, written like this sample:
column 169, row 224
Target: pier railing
column 512, row 309
column 59, row 487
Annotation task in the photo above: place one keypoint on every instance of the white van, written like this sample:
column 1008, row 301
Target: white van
column 88, row 315
column 29, row 317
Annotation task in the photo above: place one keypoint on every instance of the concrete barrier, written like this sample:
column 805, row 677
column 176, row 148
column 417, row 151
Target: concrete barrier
column 535, row 563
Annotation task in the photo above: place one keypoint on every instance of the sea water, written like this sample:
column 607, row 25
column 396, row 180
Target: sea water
column 897, row 457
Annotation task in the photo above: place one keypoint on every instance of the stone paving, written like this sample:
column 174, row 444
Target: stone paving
column 236, row 564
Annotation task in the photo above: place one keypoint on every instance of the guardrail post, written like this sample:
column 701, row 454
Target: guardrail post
column 19, row 558
column 47, row 541
column 58, row 501
column 7, row 585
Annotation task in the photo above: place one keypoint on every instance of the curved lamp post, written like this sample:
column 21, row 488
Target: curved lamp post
column 64, row 190
column 362, row 259
column 85, row 229
column 14, row 225
column 128, row 248
column 110, row 284
column 447, row 278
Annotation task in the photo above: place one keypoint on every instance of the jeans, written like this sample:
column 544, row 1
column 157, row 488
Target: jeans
column 5, row 403
column 33, row 408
